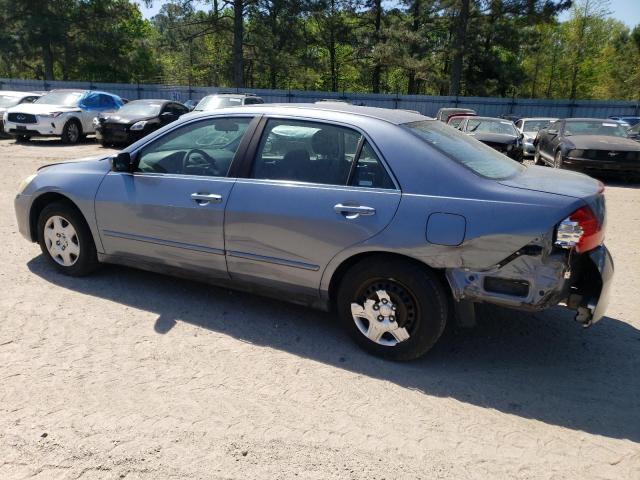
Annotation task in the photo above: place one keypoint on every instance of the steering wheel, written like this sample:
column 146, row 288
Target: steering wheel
column 208, row 163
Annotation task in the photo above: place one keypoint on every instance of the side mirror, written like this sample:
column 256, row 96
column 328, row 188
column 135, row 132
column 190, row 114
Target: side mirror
column 122, row 162
column 521, row 136
column 168, row 117
column 552, row 131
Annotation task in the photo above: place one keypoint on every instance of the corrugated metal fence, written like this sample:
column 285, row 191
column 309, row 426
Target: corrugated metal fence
column 426, row 104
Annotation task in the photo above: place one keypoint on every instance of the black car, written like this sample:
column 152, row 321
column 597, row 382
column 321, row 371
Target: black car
column 135, row 120
column 499, row 134
column 589, row 145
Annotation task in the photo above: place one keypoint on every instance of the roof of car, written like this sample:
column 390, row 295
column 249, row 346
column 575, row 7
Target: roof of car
column 492, row 118
column 229, row 94
column 587, row 119
column 11, row 93
column 79, row 90
column 151, row 100
column 387, row 114
column 446, row 109
column 527, row 119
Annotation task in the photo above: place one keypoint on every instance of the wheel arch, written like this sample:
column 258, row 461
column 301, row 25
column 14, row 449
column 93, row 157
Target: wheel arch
column 40, row 203
column 375, row 255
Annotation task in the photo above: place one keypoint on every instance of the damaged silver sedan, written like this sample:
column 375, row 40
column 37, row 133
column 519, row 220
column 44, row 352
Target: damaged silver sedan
column 397, row 222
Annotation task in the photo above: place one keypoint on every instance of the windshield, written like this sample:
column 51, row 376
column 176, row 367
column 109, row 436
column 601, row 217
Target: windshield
column 142, row 109
column 7, row 101
column 594, row 127
column 491, row 126
column 65, row 99
column 535, row 125
column 471, row 153
column 212, row 102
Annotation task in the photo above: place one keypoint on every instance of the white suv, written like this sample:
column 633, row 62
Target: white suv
column 67, row 114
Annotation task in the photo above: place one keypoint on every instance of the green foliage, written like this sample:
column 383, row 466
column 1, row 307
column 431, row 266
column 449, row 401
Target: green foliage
column 469, row 47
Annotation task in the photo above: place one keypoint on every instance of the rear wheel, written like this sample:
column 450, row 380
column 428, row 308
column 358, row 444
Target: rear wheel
column 392, row 308
column 65, row 240
column 22, row 138
column 71, row 132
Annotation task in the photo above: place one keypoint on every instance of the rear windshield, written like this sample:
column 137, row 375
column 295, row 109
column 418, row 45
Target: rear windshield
column 471, row 153
column 214, row 102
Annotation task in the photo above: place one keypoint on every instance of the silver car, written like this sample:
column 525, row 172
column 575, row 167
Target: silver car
column 397, row 221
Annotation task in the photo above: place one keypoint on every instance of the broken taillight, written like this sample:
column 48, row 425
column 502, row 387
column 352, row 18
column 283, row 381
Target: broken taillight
column 580, row 230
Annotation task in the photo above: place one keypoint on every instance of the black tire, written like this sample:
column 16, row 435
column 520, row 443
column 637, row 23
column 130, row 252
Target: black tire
column 417, row 294
column 22, row 138
column 537, row 158
column 71, row 132
column 87, row 260
column 557, row 160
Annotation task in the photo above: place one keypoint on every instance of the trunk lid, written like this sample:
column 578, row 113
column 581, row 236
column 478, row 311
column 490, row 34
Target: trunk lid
column 561, row 182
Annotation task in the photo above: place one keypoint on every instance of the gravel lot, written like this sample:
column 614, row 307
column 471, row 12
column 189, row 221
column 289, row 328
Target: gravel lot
column 127, row 374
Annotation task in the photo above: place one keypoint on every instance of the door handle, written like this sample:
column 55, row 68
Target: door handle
column 353, row 211
column 206, row 198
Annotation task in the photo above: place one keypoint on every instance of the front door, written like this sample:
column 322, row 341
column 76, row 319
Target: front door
column 170, row 211
column 314, row 189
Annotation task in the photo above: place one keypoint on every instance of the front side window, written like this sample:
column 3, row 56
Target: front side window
column 306, row 152
column 204, row 148
column 474, row 155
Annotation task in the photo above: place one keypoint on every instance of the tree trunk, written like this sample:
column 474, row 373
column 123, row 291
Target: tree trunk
column 238, row 39
column 577, row 63
column 377, row 69
column 47, row 60
column 332, row 49
column 459, row 48
column 412, row 86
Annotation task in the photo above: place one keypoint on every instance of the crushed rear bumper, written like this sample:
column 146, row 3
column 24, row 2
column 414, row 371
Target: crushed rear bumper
column 533, row 281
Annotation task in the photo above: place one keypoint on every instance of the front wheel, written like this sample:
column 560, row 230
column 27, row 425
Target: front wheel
column 392, row 308
column 536, row 158
column 557, row 160
column 65, row 240
column 71, row 132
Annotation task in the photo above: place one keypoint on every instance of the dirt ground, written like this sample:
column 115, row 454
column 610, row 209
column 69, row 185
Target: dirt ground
column 127, row 374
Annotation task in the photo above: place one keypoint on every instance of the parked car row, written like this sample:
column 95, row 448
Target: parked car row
column 590, row 145
column 72, row 114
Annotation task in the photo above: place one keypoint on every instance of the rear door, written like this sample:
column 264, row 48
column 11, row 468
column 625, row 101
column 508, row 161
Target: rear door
column 170, row 211
column 311, row 190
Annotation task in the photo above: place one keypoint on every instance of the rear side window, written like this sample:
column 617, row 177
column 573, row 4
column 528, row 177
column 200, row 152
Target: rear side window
column 369, row 171
column 317, row 152
column 471, row 153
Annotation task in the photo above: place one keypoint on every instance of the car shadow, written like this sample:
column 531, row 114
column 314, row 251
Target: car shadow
column 543, row 367
column 56, row 142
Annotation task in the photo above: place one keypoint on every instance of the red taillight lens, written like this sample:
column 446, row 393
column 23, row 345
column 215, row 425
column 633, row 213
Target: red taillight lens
column 592, row 231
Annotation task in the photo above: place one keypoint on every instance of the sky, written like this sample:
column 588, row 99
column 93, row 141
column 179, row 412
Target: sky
column 627, row 11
